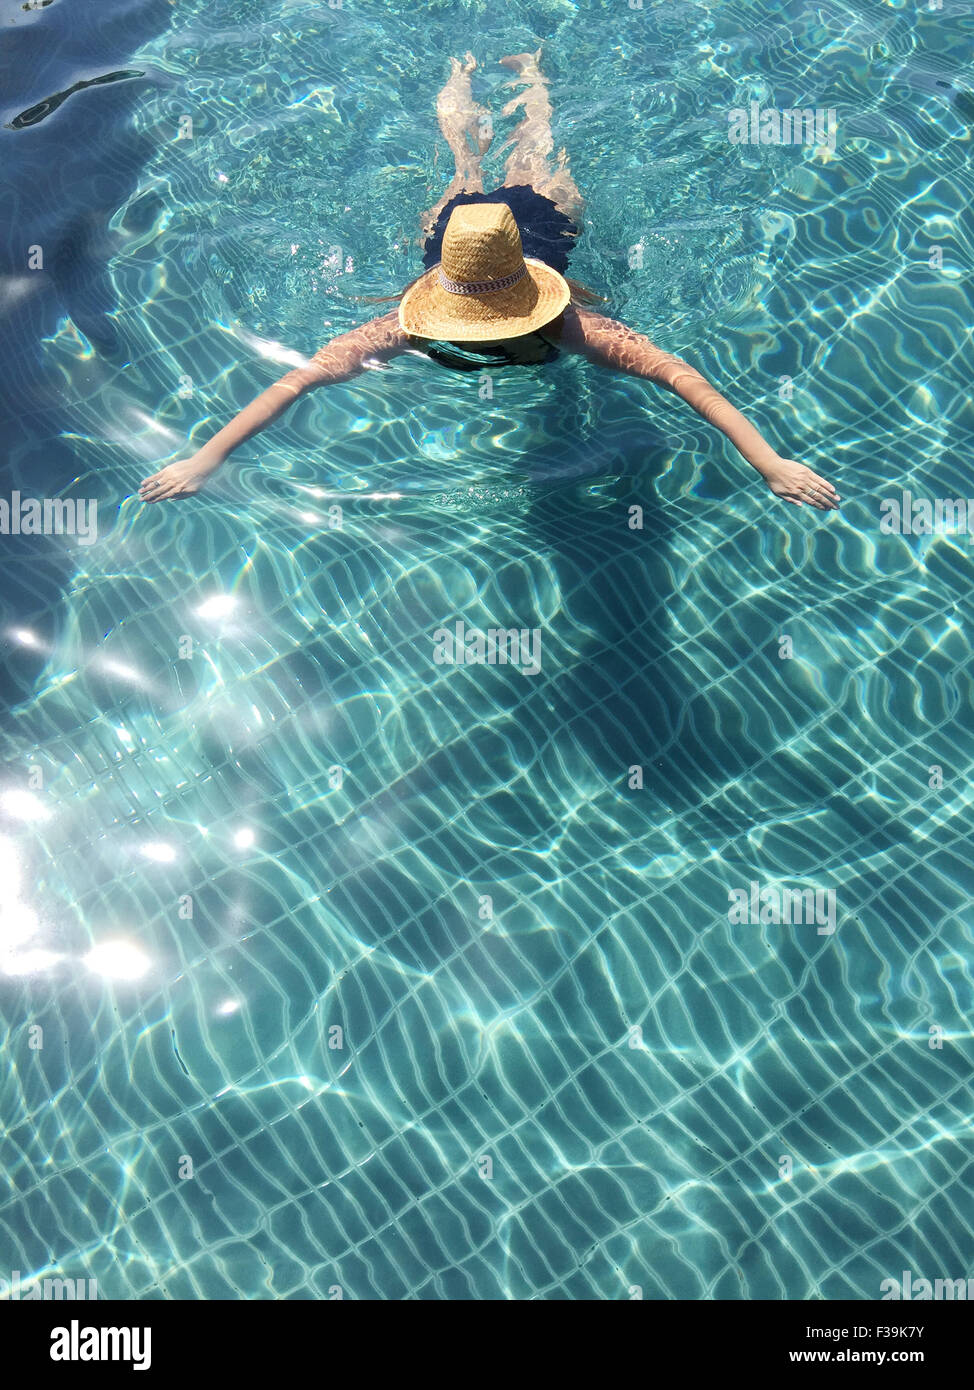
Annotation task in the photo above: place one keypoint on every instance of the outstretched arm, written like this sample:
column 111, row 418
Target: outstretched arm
column 339, row 360
column 613, row 344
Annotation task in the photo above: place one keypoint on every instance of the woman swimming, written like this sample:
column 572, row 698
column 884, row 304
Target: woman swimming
column 494, row 293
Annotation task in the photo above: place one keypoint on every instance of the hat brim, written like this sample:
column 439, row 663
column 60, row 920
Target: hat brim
column 427, row 310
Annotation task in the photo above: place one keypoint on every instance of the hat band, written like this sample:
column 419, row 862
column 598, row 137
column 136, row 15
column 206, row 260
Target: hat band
column 482, row 286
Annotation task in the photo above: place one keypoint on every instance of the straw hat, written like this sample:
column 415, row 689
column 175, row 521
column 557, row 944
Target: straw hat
column 484, row 288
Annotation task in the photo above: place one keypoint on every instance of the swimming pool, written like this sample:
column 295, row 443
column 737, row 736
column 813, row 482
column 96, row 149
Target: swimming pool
column 359, row 972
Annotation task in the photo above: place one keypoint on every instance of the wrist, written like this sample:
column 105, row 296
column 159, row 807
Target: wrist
column 765, row 463
column 208, row 458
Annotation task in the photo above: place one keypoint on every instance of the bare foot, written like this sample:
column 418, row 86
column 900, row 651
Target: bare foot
column 521, row 61
column 477, row 125
column 467, row 129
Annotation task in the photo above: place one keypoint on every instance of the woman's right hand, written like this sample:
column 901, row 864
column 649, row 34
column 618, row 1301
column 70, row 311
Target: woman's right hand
column 178, row 479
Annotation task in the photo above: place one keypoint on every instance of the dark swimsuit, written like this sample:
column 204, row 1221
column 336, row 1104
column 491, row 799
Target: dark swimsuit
column 468, row 358
column 546, row 234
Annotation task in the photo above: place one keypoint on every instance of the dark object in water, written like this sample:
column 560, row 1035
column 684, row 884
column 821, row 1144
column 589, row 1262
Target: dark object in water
column 41, row 109
column 478, row 357
column 77, row 260
column 176, row 1050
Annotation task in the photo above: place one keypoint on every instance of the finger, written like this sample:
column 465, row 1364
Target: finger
column 160, row 492
column 818, row 496
column 163, row 488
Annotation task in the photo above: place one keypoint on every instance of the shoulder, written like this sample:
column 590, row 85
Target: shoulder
column 381, row 337
column 581, row 328
column 607, row 342
column 385, row 333
column 371, row 344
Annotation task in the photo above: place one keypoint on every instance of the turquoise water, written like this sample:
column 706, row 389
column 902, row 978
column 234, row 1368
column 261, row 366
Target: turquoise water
column 243, row 807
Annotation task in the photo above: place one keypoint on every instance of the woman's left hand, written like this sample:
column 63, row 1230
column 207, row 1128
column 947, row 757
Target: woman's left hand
column 794, row 482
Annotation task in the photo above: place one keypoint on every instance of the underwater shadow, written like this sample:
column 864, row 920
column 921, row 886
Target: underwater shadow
column 622, row 702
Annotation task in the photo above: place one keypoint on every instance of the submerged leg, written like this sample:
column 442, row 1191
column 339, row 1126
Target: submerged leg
column 466, row 128
column 532, row 139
